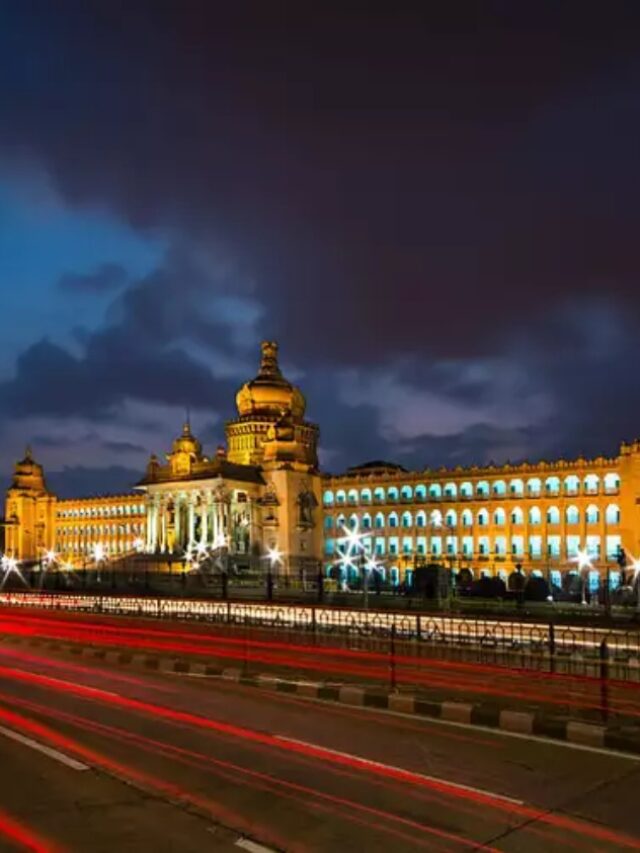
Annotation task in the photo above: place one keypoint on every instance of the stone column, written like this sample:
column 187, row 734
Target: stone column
column 204, row 527
column 190, row 542
column 162, row 512
column 178, row 528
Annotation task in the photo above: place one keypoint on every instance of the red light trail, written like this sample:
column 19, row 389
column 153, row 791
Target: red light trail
column 23, row 837
column 598, row 833
column 366, row 665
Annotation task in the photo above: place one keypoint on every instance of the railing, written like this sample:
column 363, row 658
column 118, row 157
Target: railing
column 507, row 635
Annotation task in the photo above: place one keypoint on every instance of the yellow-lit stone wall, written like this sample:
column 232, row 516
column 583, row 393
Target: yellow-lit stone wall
column 115, row 522
column 538, row 515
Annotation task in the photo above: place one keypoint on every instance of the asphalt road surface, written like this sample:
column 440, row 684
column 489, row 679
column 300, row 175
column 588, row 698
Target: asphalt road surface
column 99, row 759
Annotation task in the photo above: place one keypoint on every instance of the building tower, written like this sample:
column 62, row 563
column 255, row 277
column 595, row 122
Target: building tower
column 270, row 426
column 29, row 512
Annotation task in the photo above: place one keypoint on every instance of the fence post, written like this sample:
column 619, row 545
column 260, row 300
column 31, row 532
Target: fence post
column 604, row 679
column 313, row 623
column 552, row 646
column 392, row 658
column 418, row 627
column 225, row 586
column 245, row 661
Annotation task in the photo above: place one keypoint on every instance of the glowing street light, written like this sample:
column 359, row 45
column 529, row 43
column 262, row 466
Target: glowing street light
column 584, row 563
column 353, row 539
column 274, row 555
column 10, row 566
column 635, row 567
column 50, row 557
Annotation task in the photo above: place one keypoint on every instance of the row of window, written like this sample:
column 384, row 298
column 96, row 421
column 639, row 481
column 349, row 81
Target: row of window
column 450, row 518
column 482, row 546
column 102, row 529
column 102, row 511
column 121, row 546
column 592, row 484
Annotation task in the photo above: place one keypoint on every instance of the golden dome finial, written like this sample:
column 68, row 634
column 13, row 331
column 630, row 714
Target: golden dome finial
column 269, row 367
column 269, row 394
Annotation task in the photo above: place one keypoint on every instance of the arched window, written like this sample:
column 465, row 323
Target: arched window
column 435, row 491
column 420, row 492
column 517, row 516
column 499, row 487
column 516, row 487
column 483, row 518
column 552, row 485
column 435, row 518
column 467, row 518
column 517, row 545
column 341, row 521
column 365, row 496
column 366, row 521
column 535, row 516
column 612, row 514
column 421, row 518
column 450, row 490
column 378, row 494
column 499, row 517
column 611, row 483
column 407, row 520
column 406, row 493
column 379, row 522
column 571, row 485
column 352, row 496
column 553, row 515
column 341, row 497
column 328, row 498
column 483, row 544
column 353, row 521
column 393, row 519
column 392, row 493
column 482, row 488
column 500, row 546
column 451, row 518
column 534, row 486
column 592, row 514
column 572, row 514
column 591, row 484
column 466, row 489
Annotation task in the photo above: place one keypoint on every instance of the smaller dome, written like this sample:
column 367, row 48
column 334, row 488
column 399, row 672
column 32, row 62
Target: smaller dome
column 187, row 442
column 28, row 474
column 270, row 393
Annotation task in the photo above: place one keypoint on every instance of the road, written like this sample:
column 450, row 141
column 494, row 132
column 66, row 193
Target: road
column 168, row 762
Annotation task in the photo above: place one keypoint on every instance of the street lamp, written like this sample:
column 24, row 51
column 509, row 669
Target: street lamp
column 10, row 566
column 583, row 561
column 274, row 558
column 353, row 541
column 635, row 568
column 99, row 556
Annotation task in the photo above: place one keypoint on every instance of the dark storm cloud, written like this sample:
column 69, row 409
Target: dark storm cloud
column 138, row 354
column 415, row 190
column 365, row 170
column 104, row 279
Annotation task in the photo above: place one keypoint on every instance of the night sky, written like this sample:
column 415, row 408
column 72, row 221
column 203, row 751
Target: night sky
column 435, row 211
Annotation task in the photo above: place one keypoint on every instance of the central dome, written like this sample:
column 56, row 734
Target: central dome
column 270, row 393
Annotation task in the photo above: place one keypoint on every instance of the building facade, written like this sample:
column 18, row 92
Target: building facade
column 260, row 495
column 263, row 493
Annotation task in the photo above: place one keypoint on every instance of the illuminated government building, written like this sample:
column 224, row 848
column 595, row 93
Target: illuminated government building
column 264, row 492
